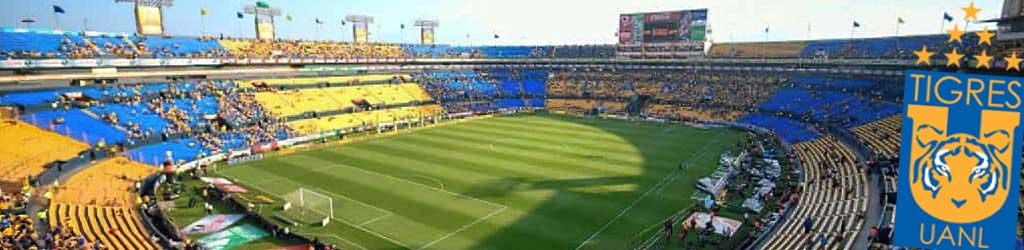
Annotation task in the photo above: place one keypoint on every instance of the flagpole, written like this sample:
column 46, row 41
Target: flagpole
column 56, row 21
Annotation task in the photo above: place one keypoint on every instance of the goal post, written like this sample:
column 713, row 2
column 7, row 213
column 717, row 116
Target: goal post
column 308, row 206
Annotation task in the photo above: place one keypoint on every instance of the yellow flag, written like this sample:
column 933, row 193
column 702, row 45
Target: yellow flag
column 202, row 11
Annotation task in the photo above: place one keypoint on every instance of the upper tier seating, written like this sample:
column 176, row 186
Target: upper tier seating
column 20, row 160
column 310, row 49
column 367, row 118
column 758, row 50
column 834, row 197
column 180, row 46
column 881, row 136
column 29, row 44
column 331, row 80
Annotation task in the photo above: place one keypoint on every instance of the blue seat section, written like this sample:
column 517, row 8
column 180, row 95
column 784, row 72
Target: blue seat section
column 155, row 154
column 882, row 46
column 483, row 87
column 813, row 82
column 146, row 118
column 829, row 105
column 537, row 102
column 510, row 87
column 452, row 74
column 791, row 131
column 509, row 103
column 195, row 109
column 178, row 46
column 31, row 98
column 30, row 41
column 534, row 87
column 508, row 51
column 77, row 125
column 533, row 74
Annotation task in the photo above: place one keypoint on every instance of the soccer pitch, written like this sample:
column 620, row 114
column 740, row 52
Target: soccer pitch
column 512, row 182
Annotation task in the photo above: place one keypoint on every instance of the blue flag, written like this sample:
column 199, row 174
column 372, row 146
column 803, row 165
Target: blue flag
column 58, row 9
column 947, row 17
column 239, row 14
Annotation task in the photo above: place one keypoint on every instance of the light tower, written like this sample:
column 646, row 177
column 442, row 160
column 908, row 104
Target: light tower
column 264, row 20
column 149, row 18
column 360, row 27
column 427, row 30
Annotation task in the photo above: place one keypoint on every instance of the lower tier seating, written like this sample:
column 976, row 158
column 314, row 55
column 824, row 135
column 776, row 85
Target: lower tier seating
column 18, row 161
column 367, row 118
column 833, row 198
column 115, row 227
column 881, row 136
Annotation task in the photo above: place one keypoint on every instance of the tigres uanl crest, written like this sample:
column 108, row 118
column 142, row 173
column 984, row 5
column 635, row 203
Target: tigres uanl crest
column 960, row 157
column 962, row 177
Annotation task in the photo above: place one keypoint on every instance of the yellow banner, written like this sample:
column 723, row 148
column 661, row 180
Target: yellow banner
column 265, row 31
column 148, row 20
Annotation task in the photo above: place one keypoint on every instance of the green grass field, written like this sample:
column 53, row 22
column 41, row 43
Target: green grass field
column 514, row 182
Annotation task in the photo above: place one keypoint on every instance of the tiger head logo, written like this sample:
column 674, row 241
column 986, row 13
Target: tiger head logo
column 960, row 177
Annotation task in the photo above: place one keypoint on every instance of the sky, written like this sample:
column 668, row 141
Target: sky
column 517, row 22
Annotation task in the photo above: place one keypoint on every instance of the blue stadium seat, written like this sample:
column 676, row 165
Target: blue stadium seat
column 789, row 130
column 77, row 125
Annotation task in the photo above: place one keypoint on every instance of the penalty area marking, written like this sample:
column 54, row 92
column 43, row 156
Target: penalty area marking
column 343, row 221
column 463, row 228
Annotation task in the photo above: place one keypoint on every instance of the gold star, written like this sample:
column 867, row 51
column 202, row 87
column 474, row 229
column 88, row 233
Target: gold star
column 983, row 60
column 971, row 12
column 985, row 36
column 1013, row 62
column 955, row 34
column 953, row 58
column 924, row 56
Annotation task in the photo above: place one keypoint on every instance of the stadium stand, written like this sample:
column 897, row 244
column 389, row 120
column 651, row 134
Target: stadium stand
column 758, row 50
column 842, row 108
column 348, row 80
column 20, row 161
column 361, row 119
column 243, row 48
column 76, row 124
column 299, row 101
column 833, row 201
column 98, row 202
column 180, row 47
column 881, row 136
column 789, row 130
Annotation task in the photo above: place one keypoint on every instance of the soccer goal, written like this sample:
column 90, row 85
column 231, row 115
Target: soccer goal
column 308, row 206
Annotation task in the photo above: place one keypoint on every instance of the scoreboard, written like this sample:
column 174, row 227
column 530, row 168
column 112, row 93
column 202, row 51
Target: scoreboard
column 663, row 27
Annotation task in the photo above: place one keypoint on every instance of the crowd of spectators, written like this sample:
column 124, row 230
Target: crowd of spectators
column 247, row 48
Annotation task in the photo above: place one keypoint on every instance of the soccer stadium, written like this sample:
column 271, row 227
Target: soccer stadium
column 162, row 124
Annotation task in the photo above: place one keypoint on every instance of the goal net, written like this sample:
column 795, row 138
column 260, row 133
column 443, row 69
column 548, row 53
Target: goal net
column 308, row 206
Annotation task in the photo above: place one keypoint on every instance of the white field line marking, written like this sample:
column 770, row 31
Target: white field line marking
column 658, row 186
column 625, row 210
column 422, row 185
column 375, row 219
column 385, row 211
column 340, row 238
column 371, row 232
column 463, row 228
